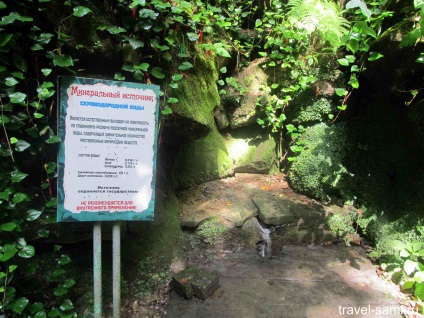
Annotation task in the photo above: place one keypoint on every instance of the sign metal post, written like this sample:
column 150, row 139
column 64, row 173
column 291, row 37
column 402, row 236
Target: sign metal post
column 116, row 270
column 97, row 268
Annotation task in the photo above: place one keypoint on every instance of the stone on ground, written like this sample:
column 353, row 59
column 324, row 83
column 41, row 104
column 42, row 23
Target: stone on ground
column 195, row 282
column 273, row 210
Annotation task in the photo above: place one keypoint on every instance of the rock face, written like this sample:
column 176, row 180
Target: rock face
column 216, row 199
column 202, row 160
column 197, row 99
column 253, row 151
column 195, row 282
column 243, row 94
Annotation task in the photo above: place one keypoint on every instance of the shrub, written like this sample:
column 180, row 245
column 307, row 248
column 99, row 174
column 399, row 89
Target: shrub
column 319, row 170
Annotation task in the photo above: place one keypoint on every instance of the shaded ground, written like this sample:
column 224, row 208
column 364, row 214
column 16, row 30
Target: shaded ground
column 302, row 281
column 307, row 279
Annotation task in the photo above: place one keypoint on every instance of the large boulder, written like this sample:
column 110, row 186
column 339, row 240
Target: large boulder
column 202, row 160
column 253, row 151
column 243, row 94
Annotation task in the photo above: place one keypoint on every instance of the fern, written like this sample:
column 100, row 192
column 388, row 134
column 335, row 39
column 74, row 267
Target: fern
column 321, row 16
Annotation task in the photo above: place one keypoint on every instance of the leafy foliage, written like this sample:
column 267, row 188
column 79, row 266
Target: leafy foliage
column 323, row 17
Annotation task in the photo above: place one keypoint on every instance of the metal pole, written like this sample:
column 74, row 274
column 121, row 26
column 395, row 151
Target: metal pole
column 116, row 248
column 97, row 268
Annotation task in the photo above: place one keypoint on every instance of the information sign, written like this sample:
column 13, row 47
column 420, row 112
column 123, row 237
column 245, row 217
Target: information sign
column 107, row 157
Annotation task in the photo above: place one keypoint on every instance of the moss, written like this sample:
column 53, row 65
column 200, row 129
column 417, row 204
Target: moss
column 253, row 151
column 160, row 239
column 319, row 170
column 308, row 109
column 198, row 94
column 203, row 160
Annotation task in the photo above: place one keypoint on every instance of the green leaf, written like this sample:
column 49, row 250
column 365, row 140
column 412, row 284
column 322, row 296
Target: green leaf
column 418, row 3
column 192, row 36
column 18, row 176
column 177, row 77
column 166, row 111
column 66, row 305
column 375, row 56
column 46, row 71
column 19, row 197
column 64, row 259
column 408, row 284
column 185, row 66
column 341, row 92
column 5, row 38
column 7, row 252
column 10, row 81
column 223, row 52
column 135, row 44
column 353, row 81
column 397, row 245
column 68, row 283
column 361, row 5
column 63, row 61
column 60, row 291
column 173, row 85
column 22, row 145
column 54, row 312
column 343, row 62
column 27, row 252
column 119, row 77
column 420, row 59
column 43, row 233
column 80, row 11
column 172, row 100
column 33, row 214
column 143, row 67
column 223, row 70
column 2, row 5
column 115, row 30
column 53, row 139
column 19, row 305
column 41, row 314
column 419, row 291
column 157, row 72
column 410, row 38
column 8, row 227
column 17, row 97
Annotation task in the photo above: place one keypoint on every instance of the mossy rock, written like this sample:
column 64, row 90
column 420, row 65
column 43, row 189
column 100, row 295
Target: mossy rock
column 202, row 160
column 240, row 102
column 253, row 151
column 319, row 170
column 197, row 98
column 312, row 106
